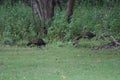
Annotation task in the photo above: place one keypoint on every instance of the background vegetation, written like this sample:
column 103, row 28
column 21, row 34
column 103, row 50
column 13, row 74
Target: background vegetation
column 17, row 24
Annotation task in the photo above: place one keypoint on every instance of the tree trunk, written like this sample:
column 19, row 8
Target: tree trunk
column 70, row 6
column 45, row 10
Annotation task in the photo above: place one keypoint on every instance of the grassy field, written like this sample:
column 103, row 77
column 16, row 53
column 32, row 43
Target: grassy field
column 58, row 63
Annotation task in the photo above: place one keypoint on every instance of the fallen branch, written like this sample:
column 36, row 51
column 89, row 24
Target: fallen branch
column 117, row 42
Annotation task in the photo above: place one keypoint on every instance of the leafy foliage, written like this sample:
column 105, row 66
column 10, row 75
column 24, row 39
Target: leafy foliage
column 16, row 21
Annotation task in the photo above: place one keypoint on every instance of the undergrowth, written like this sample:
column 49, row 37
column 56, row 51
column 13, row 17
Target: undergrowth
column 17, row 24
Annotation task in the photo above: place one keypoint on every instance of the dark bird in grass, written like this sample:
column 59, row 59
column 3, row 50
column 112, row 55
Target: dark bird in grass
column 88, row 35
column 37, row 42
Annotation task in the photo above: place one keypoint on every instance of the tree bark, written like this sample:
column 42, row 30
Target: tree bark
column 70, row 6
column 45, row 10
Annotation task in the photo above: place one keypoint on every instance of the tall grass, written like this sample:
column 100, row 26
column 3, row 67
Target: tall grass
column 16, row 19
column 14, row 22
column 87, row 18
column 97, row 19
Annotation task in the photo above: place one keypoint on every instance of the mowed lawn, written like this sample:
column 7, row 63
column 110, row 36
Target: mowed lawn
column 58, row 63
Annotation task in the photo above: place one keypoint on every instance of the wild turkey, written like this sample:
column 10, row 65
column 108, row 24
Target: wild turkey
column 37, row 42
column 88, row 35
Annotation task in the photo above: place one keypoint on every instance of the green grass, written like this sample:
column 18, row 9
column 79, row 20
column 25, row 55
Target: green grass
column 58, row 63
